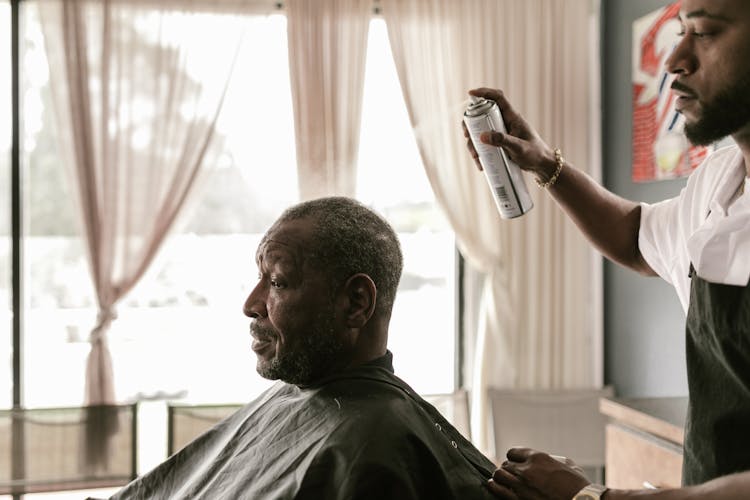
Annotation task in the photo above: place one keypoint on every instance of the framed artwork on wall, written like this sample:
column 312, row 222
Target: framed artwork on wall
column 660, row 150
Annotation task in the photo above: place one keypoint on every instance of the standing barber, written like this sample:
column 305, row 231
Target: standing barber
column 698, row 241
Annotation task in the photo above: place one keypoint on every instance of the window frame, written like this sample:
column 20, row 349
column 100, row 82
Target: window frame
column 16, row 215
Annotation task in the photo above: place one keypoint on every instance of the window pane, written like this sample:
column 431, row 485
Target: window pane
column 190, row 302
column 428, row 282
column 180, row 334
column 58, row 300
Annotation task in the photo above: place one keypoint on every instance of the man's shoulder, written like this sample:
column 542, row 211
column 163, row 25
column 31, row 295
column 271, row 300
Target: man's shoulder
column 374, row 394
column 387, row 414
column 366, row 380
column 394, row 445
column 720, row 167
column 719, row 161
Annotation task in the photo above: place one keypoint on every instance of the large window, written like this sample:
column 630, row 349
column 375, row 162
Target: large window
column 6, row 337
column 181, row 334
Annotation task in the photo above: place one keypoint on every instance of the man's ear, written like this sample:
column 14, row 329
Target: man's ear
column 361, row 293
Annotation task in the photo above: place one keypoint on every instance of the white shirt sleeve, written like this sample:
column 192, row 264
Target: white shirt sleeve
column 658, row 236
column 661, row 240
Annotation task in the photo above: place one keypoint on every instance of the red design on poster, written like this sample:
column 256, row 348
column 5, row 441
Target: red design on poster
column 660, row 150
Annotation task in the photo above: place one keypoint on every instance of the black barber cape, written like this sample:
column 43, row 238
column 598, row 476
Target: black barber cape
column 360, row 434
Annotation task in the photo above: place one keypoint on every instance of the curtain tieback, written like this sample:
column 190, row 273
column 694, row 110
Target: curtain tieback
column 103, row 319
column 560, row 161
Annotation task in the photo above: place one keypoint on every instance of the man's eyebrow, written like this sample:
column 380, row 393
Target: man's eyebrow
column 273, row 255
column 703, row 13
column 269, row 256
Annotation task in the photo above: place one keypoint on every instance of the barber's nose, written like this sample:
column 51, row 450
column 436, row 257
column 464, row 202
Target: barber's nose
column 255, row 304
column 682, row 59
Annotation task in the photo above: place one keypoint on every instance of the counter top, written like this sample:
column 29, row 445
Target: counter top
column 662, row 417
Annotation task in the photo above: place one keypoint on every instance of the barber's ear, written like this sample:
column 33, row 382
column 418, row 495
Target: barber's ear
column 362, row 294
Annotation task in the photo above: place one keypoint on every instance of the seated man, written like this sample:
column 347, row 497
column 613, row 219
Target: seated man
column 338, row 424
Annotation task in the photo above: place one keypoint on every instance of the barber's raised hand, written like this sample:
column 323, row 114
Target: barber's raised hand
column 522, row 143
column 532, row 475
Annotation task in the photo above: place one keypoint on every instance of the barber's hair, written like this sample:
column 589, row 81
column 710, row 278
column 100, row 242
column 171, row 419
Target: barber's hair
column 349, row 238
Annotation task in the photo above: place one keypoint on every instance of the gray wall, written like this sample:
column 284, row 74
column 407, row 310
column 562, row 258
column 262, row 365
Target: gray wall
column 643, row 320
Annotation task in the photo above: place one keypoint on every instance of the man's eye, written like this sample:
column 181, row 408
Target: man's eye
column 276, row 283
column 696, row 34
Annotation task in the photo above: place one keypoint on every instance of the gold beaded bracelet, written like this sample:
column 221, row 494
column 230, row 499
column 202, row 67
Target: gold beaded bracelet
column 560, row 161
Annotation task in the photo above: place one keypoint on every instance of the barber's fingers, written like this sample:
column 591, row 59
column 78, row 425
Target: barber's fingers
column 508, row 485
column 497, row 95
column 504, row 484
column 488, row 93
column 509, row 143
column 520, row 141
column 506, row 477
column 501, row 491
column 522, row 461
column 517, row 457
column 520, row 454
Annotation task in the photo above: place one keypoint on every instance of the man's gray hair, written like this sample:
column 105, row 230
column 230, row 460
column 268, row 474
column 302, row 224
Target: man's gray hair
column 350, row 238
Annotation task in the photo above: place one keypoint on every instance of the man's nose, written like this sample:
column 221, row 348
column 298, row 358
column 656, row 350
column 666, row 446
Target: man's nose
column 682, row 59
column 255, row 304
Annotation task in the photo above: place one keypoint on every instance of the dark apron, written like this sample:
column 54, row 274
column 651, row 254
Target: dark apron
column 717, row 432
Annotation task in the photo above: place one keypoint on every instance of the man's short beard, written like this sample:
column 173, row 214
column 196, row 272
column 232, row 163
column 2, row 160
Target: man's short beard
column 726, row 114
column 311, row 358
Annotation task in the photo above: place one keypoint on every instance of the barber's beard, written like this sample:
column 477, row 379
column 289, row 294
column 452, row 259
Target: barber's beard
column 723, row 116
column 315, row 351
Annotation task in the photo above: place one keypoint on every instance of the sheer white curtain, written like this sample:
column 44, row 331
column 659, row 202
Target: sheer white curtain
column 327, row 47
column 539, row 322
column 136, row 95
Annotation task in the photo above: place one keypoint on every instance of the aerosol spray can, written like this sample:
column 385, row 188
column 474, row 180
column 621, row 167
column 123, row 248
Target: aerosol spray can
column 503, row 175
